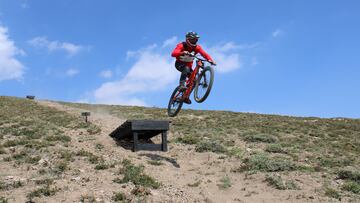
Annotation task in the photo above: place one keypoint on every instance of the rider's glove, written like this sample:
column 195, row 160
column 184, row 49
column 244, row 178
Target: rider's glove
column 185, row 53
column 213, row 63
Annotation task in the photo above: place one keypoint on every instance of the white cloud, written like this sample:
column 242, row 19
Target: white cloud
column 277, row 33
column 227, row 56
column 72, row 72
column 10, row 67
column 170, row 42
column 106, row 74
column 151, row 72
column 131, row 54
column 43, row 42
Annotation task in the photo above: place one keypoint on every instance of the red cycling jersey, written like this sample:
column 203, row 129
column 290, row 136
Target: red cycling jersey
column 180, row 48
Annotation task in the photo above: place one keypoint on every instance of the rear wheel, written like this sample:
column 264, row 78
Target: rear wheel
column 203, row 84
column 175, row 102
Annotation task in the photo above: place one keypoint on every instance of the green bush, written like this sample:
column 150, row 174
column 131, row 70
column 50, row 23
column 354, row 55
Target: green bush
column 235, row 152
column 274, row 148
column 119, row 197
column 46, row 181
column 44, row 191
column 260, row 162
column 136, row 175
column 3, row 200
column 261, row 138
column 101, row 166
column 224, row 183
column 349, row 175
column 211, row 146
column 61, row 166
column 277, row 182
column 332, row 162
column 188, row 139
column 66, row 155
column 351, row 186
column 61, row 138
column 12, row 143
column 91, row 157
column 330, row 192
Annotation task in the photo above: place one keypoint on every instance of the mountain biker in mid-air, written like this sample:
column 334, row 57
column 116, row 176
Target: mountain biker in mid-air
column 184, row 60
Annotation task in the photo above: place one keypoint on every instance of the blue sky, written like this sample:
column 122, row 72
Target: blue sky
column 277, row 57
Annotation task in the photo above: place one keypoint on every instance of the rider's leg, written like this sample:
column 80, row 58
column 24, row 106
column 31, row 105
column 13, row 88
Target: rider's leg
column 185, row 70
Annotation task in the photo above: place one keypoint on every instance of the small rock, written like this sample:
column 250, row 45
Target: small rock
column 12, row 149
column 248, row 149
column 9, row 178
column 339, row 182
column 76, row 179
column 154, row 192
column 43, row 162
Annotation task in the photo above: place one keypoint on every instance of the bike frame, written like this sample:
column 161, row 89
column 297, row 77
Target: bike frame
column 191, row 80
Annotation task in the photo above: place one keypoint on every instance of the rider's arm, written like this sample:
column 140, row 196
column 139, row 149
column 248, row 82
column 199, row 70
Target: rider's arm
column 178, row 51
column 203, row 53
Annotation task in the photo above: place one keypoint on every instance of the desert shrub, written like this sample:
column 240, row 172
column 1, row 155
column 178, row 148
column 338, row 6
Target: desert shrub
column 43, row 191
column 235, row 152
column 277, row 182
column 136, row 175
column 274, row 148
column 261, row 162
column 224, row 183
column 211, row 146
column 332, row 193
column 102, row 166
column 349, row 175
column 61, row 138
column 188, row 139
column 351, row 186
column 119, row 197
column 261, row 138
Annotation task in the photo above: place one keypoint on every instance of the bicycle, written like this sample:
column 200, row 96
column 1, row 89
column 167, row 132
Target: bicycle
column 201, row 79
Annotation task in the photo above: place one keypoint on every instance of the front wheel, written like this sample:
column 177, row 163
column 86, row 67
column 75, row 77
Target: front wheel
column 203, row 84
column 175, row 102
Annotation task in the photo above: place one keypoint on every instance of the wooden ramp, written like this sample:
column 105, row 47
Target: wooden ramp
column 143, row 130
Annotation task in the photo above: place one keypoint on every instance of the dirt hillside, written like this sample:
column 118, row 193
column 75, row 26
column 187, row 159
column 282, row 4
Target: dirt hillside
column 49, row 154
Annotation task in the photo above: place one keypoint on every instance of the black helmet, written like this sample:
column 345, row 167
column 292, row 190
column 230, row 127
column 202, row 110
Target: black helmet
column 192, row 38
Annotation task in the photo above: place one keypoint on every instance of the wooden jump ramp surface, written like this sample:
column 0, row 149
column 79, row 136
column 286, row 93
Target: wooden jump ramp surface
column 143, row 130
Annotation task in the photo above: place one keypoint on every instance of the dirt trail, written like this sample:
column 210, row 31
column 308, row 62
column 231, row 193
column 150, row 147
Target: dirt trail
column 186, row 176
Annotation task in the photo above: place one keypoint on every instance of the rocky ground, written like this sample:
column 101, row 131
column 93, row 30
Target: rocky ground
column 92, row 167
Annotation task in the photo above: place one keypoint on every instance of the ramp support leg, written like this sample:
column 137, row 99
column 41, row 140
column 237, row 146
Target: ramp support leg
column 164, row 141
column 135, row 141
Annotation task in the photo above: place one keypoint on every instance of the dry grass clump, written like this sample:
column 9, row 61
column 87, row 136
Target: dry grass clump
column 136, row 175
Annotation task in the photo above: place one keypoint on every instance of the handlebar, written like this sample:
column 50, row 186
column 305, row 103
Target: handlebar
column 201, row 59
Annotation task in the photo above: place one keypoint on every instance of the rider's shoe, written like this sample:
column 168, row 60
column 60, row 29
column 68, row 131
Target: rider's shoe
column 187, row 101
column 182, row 88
